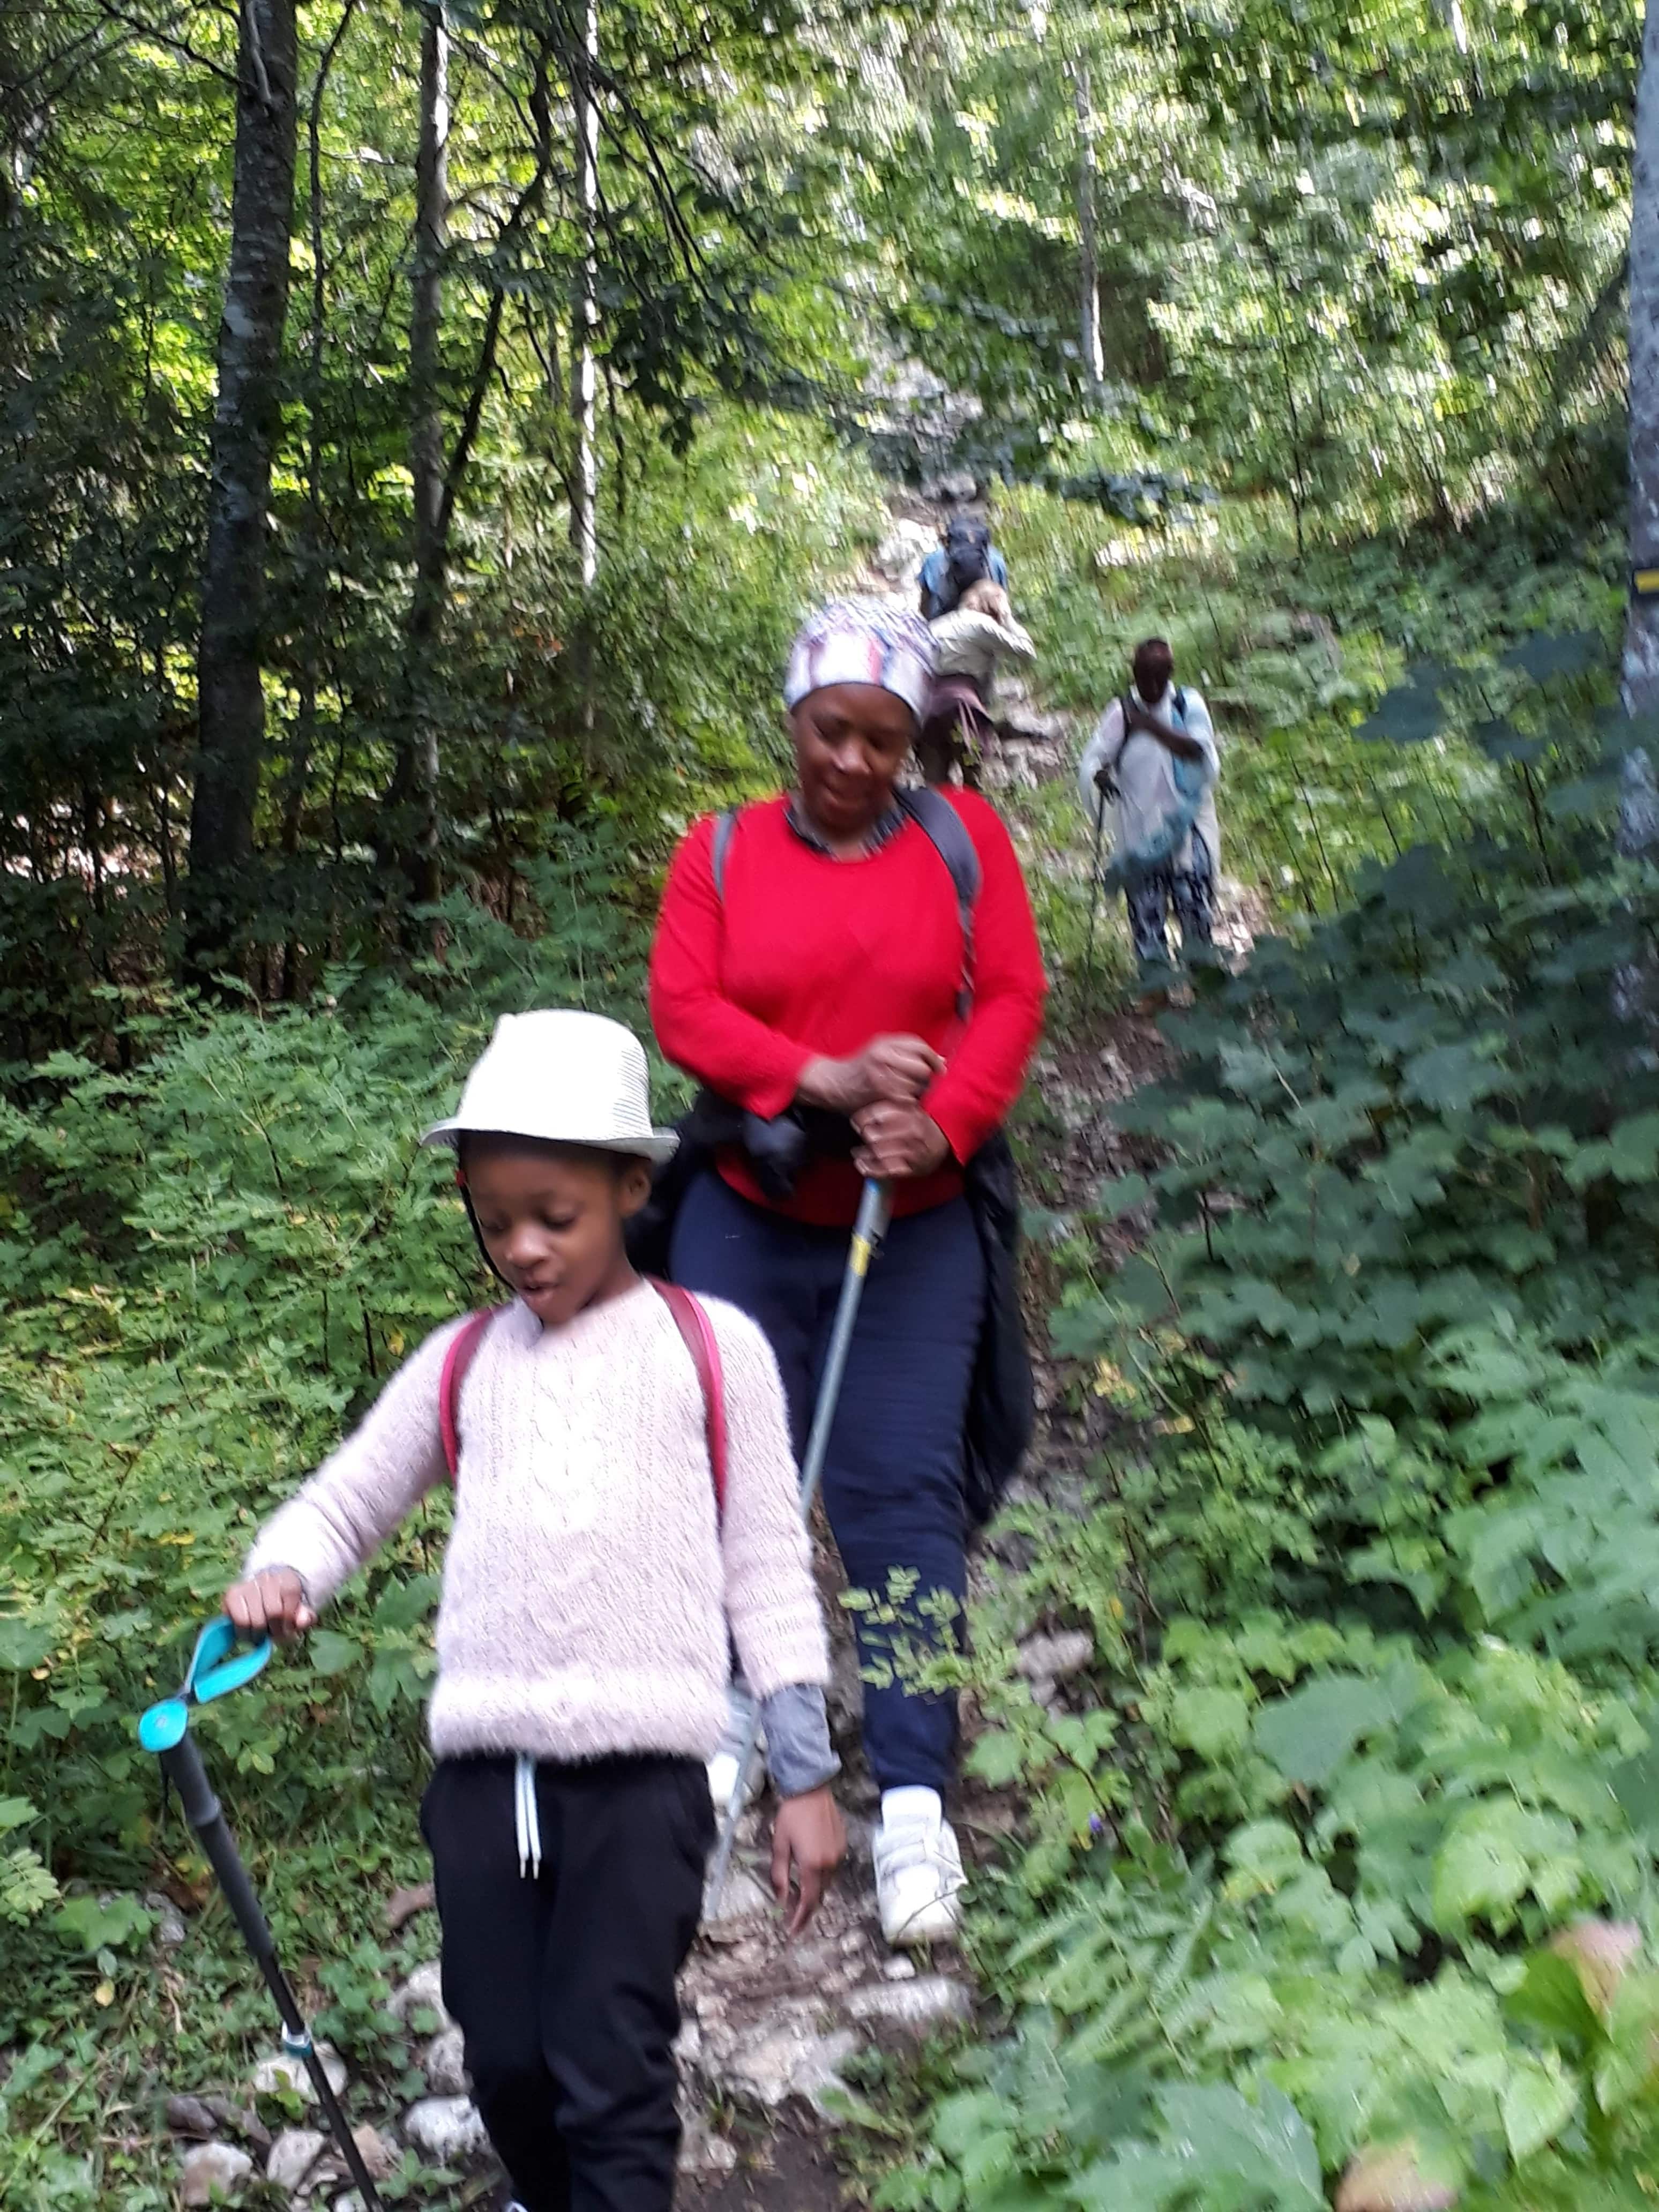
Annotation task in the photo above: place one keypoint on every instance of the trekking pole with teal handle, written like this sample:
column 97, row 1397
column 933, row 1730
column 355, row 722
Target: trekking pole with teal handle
column 875, row 1211
column 218, row 1665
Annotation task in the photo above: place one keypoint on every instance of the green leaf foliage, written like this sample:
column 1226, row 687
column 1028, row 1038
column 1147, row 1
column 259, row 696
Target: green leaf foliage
column 1378, row 1508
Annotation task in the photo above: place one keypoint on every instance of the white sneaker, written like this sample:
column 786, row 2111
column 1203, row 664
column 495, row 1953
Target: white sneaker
column 919, row 1882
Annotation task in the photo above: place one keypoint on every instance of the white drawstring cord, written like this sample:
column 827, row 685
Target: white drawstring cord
column 526, row 1817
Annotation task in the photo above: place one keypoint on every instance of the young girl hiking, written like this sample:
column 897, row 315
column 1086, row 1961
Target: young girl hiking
column 591, row 1578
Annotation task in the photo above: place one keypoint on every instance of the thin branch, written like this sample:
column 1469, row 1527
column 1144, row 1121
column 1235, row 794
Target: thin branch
column 475, row 401
column 486, row 368
column 257, row 53
column 157, row 37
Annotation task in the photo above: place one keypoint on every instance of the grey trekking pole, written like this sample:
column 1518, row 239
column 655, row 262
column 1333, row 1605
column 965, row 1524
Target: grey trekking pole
column 1094, row 883
column 869, row 1229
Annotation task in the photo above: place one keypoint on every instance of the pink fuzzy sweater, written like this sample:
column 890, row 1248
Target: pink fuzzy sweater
column 588, row 1582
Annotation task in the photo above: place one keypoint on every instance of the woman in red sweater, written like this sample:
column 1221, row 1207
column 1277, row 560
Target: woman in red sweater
column 824, row 986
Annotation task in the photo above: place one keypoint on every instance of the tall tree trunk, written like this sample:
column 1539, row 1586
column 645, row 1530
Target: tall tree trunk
column 1298, row 482
column 314, row 596
column 246, row 424
column 1635, row 984
column 1640, row 665
column 584, row 512
column 548, row 348
column 440, row 479
column 426, row 447
column 23, row 121
column 1094, row 360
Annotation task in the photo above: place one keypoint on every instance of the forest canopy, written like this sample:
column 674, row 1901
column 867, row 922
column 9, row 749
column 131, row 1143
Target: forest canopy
column 419, row 425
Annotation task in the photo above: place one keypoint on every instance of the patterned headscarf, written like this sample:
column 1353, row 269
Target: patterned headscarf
column 868, row 640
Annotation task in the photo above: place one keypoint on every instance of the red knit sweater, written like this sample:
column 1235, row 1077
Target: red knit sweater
column 807, row 955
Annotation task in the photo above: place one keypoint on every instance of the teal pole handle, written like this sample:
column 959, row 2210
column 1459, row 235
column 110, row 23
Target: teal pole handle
column 221, row 1662
column 218, row 1665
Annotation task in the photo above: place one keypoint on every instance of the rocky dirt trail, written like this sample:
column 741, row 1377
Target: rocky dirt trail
column 770, row 2024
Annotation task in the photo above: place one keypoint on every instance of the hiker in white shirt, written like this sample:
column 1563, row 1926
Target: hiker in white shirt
column 1153, row 754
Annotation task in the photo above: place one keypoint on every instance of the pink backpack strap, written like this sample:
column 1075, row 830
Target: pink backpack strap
column 459, row 1358
column 691, row 1319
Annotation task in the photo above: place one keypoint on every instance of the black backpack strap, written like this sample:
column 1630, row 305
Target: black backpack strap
column 1122, row 706
column 720, row 847
column 947, row 833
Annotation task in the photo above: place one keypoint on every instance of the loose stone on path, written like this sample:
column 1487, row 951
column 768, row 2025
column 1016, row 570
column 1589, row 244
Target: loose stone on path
column 445, row 2064
column 919, row 2006
column 1053, row 1658
column 422, row 1992
column 447, row 2129
column 379, row 2156
column 781, row 2058
column 743, row 1900
column 212, row 2169
column 283, row 2074
column 294, row 2159
column 705, row 2156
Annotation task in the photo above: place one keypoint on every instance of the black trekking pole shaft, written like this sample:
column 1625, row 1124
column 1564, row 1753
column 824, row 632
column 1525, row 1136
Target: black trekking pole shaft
column 1094, row 882
column 183, row 1767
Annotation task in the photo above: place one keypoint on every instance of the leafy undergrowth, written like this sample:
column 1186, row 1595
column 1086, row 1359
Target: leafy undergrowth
column 1294, row 660
column 215, row 1240
column 1339, row 1859
column 210, row 1258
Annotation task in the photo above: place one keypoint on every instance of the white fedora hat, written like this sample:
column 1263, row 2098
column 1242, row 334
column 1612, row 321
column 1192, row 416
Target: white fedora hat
column 564, row 1076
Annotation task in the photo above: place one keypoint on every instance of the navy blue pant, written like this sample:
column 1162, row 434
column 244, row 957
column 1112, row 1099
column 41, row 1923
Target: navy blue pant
column 892, row 1482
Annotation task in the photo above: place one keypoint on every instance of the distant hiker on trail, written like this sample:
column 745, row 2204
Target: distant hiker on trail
column 853, row 971
column 966, row 557
column 968, row 642
column 1154, row 752
column 607, row 1537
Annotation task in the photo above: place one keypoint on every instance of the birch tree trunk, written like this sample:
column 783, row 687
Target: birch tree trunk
column 1094, row 360
column 427, row 449
column 231, row 716
column 584, row 509
column 1641, row 662
column 1451, row 14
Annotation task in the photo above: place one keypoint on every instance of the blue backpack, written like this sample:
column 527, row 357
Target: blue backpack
column 964, row 560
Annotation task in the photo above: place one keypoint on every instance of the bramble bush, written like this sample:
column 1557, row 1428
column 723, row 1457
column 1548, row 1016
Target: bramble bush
column 209, row 1259
column 1294, row 664
column 1374, row 1598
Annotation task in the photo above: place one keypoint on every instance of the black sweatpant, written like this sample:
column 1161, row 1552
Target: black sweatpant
column 563, row 1984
